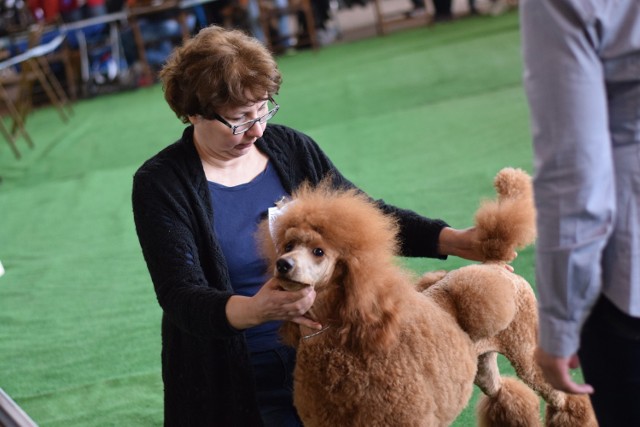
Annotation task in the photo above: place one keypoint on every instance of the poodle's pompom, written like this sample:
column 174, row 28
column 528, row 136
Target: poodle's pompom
column 484, row 299
column 577, row 411
column 514, row 405
column 508, row 223
column 511, row 183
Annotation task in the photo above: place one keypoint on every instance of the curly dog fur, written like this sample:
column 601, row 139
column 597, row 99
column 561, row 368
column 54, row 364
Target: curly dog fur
column 393, row 353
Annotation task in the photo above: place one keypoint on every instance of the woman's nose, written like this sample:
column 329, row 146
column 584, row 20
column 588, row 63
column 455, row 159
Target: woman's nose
column 256, row 130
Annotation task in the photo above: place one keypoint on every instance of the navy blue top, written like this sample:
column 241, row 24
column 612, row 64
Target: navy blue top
column 237, row 212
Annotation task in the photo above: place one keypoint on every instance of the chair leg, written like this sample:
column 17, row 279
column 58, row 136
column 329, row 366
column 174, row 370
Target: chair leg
column 10, row 139
column 55, row 84
column 18, row 124
column 23, row 104
column 379, row 18
column 42, row 78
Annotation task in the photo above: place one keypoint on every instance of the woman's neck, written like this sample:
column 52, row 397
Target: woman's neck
column 234, row 172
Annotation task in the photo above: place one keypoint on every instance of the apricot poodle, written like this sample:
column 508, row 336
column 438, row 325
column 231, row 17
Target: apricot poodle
column 395, row 354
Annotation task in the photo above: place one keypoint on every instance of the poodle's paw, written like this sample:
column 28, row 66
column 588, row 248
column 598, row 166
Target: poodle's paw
column 514, row 405
column 430, row 278
column 576, row 412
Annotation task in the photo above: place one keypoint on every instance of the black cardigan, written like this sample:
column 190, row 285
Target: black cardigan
column 205, row 363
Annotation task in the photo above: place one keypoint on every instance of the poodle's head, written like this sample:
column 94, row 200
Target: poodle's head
column 340, row 243
column 321, row 227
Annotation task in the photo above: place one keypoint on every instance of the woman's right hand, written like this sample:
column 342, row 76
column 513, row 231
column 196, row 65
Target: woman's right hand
column 271, row 303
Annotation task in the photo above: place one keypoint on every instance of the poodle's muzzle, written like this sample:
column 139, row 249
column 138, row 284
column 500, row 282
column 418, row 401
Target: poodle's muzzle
column 304, row 266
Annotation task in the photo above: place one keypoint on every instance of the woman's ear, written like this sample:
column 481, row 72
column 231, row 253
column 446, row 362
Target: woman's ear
column 194, row 119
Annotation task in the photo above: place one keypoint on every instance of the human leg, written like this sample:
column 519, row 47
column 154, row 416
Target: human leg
column 610, row 359
column 610, row 350
column 443, row 10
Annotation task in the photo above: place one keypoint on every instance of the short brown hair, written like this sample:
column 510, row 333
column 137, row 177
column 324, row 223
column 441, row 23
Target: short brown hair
column 218, row 68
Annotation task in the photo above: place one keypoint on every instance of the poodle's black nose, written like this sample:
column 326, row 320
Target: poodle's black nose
column 284, row 265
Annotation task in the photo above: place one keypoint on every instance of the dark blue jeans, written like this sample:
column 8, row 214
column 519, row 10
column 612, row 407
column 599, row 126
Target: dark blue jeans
column 274, row 382
column 610, row 358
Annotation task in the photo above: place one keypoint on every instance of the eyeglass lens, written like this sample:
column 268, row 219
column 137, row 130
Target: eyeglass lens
column 243, row 127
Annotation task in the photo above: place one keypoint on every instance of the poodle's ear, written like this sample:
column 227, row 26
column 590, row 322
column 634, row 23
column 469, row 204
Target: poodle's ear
column 367, row 309
column 290, row 334
column 265, row 242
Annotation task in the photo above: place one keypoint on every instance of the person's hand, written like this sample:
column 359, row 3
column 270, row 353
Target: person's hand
column 278, row 304
column 556, row 371
column 271, row 303
column 463, row 243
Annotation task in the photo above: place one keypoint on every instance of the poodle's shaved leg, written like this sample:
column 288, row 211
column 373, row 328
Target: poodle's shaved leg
column 529, row 372
column 507, row 401
column 488, row 376
column 562, row 410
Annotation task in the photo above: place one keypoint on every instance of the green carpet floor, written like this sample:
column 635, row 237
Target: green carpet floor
column 422, row 118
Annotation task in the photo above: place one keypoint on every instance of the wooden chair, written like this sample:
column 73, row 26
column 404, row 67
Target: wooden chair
column 35, row 67
column 305, row 35
column 27, row 68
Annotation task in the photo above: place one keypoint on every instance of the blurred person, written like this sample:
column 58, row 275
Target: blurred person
column 582, row 77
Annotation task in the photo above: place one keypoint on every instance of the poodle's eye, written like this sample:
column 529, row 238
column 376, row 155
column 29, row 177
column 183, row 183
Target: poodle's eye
column 318, row 252
column 288, row 247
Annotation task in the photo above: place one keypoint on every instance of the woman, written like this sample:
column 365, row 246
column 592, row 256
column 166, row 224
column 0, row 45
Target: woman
column 196, row 206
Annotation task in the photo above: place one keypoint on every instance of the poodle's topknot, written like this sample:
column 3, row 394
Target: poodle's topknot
column 347, row 216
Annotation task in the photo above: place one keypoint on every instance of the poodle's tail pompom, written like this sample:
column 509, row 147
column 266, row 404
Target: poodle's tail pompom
column 577, row 411
column 508, row 223
column 514, row 405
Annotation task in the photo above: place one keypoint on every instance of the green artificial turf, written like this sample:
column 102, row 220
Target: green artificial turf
column 422, row 118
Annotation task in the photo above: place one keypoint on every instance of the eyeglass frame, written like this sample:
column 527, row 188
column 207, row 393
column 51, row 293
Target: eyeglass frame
column 250, row 123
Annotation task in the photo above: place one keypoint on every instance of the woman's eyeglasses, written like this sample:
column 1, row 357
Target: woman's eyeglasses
column 243, row 127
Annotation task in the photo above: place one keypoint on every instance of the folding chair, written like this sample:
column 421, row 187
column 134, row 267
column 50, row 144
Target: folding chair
column 30, row 66
column 34, row 66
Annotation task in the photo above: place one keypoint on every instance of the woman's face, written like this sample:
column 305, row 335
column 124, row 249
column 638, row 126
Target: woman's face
column 214, row 138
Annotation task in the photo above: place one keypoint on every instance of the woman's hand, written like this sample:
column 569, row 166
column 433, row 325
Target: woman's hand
column 271, row 303
column 463, row 243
